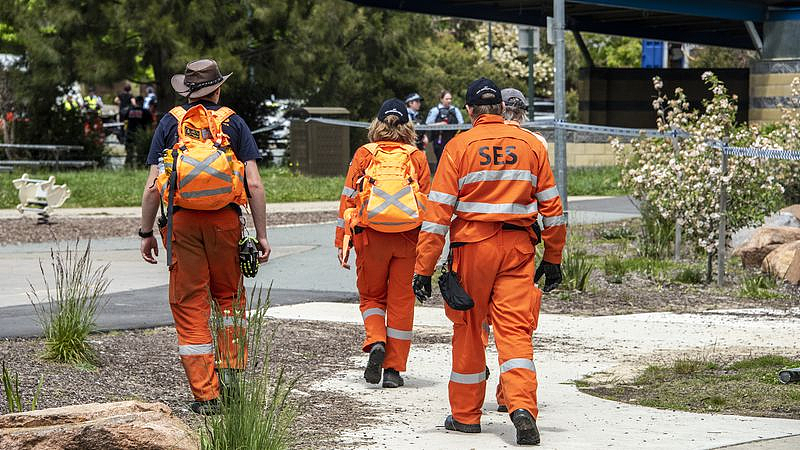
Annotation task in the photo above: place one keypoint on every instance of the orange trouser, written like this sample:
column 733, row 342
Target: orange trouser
column 498, row 274
column 205, row 248
column 385, row 267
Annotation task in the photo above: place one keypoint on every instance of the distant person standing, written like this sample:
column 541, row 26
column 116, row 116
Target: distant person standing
column 124, row 100
column 413, row 103
column 139, row 120
column 150, row 101
column 92, row 101
column 443, row 114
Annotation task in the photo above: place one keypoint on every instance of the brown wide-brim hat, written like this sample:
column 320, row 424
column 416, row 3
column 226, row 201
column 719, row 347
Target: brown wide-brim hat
column 200, row 78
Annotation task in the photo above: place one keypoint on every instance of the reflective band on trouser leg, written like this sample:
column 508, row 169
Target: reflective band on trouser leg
column 198, row 363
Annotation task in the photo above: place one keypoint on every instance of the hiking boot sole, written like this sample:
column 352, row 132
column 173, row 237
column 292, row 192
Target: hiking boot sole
column 374, row 366
column 452, row 425
column 527, row 433
column 392, row 383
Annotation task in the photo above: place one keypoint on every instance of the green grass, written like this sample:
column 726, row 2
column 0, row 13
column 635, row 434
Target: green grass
column 747, row 386
column 13, row 395
column 594, row 181
column 759, row 287
column 107, row 188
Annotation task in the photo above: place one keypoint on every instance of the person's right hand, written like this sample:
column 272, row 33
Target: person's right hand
column 421, row 284
column 340, row 254
column 149, row 249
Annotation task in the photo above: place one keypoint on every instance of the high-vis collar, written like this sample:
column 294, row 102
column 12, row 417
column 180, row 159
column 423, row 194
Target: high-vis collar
column 485, row 119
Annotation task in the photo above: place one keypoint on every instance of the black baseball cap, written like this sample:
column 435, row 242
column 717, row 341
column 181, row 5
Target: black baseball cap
column 483, row 91
column 393, row 107
column 412, row 96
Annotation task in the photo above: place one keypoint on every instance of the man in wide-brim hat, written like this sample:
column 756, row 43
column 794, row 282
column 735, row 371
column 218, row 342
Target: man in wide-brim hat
column 205, row 244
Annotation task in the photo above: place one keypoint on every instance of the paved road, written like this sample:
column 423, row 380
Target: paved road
column 303, row 268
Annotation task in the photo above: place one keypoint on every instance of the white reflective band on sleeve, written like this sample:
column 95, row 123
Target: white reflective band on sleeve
column 468, row 378
column 547, row 194
column 431, row 227
column 553, row 221
column 398, row 334
column 196, row 349
column 496, row 208
column 340, row 222
column 229, row 321
column 497, row 175
column 373, row 312
column 517, row 363
column 348, row 192
column 441, row 197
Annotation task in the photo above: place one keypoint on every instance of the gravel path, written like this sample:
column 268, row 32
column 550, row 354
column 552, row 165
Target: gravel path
column 143, row 365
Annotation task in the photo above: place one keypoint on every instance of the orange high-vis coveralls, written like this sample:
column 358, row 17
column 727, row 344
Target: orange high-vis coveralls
column 384, row 267
column 495, row 179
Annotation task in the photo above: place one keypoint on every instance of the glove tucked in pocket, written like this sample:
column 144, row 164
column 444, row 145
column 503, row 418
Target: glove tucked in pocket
column 451, row 289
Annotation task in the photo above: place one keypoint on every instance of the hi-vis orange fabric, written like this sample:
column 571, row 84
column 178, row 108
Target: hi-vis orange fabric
column 385, row 261
column 387, row 185
column 209, row 176
column 491, row 174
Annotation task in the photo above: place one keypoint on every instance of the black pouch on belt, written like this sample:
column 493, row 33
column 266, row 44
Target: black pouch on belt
column 451, row 289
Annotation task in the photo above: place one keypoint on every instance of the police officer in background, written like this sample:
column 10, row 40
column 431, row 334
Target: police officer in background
column 495, row 179
column 413, row 103
column 443, row 114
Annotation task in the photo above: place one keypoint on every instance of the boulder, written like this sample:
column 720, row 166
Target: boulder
column 121, row 425
column 794, row 210
column 784, row 262
column 763, row 242
column 783, row 218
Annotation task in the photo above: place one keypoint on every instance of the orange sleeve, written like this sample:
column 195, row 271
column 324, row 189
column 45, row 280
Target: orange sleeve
column 423, row 171
column 349, row 192
column 436, row 220
column 554, row 224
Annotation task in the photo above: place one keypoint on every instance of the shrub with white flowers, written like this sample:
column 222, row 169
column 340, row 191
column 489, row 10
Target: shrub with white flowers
column 682, row 185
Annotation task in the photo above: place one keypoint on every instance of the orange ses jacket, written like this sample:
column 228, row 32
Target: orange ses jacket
column 359, row 164
column 492, row 174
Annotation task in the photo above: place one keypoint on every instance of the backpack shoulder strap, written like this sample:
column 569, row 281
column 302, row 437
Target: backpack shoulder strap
column 372, row 148
column 178, row 112
column 223, row 114
column 409, row 148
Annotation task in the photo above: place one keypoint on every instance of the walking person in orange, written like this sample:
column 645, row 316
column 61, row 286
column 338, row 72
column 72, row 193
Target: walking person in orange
column 380, row 213
column 203, row 228
column 496, row 179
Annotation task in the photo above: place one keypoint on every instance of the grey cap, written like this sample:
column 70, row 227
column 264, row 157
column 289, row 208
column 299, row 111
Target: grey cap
column 514, row 98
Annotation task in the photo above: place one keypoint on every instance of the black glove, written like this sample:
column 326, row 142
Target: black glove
column 552, row 275
column 422, row 287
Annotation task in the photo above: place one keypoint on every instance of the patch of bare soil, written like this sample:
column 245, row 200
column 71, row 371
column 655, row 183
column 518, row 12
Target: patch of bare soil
column 144, row 365
column 25, row 229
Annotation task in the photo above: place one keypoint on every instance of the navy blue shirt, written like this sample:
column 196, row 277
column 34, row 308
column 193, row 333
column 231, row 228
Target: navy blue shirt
column 242, row 142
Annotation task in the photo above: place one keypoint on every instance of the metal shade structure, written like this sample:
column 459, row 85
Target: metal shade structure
column 709, row 22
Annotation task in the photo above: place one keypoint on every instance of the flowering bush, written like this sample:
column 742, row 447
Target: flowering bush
column 682, row 184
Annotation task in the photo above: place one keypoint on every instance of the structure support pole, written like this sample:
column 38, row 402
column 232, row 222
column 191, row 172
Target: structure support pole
column 723, row 211
column 559, row 19
column 679, row 178
column 531, row 86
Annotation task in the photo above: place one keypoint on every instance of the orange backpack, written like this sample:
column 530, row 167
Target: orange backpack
column 389, row 199
column 208, row 176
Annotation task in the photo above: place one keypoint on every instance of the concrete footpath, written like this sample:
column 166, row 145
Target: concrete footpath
column 566, row 348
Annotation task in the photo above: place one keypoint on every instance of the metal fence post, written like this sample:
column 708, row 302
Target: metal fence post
column 678, row 229
column 723, row 206
column 559, row 93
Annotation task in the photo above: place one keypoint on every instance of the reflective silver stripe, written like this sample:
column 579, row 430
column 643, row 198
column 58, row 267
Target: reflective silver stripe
column 398, row 334
column 496, row 208
column 430, row 227
column 204, row 166
column 553, row 221
column 390, row 199
column 340, row 222
column 497, row 175
column 373, row 312
column 468, row 378
column 196, row 349
column 206, row 193
column 229, row 321
column 441, row 197
column 517, row 363
column 547, row 194
column 348, row 192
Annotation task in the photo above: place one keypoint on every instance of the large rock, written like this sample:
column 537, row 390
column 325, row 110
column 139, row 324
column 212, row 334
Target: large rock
column 794, row 210
column 97, row 426
column 763, row 242
column 784, row 262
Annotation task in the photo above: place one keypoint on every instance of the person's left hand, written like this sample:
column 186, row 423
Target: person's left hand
column 265, row 250
column 552, row 275
column 422, row 287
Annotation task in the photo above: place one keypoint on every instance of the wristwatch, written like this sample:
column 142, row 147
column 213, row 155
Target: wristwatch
column 147, row 234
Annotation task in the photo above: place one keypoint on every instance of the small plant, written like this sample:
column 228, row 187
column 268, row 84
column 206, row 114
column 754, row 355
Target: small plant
column 614, row 269
column 690, row 275
column 656, row 237
column 67, row 311
column 619, row 233
column 759, row 287
column 13, row 396
column 254, row 412
column 576, row 268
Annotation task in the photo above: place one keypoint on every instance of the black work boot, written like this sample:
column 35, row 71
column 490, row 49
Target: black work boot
column 454, row 425
column 527, row 433
column 373, row 371
column 206, row 408
column 392, row 378
column 502, row 408
column 228, row 384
